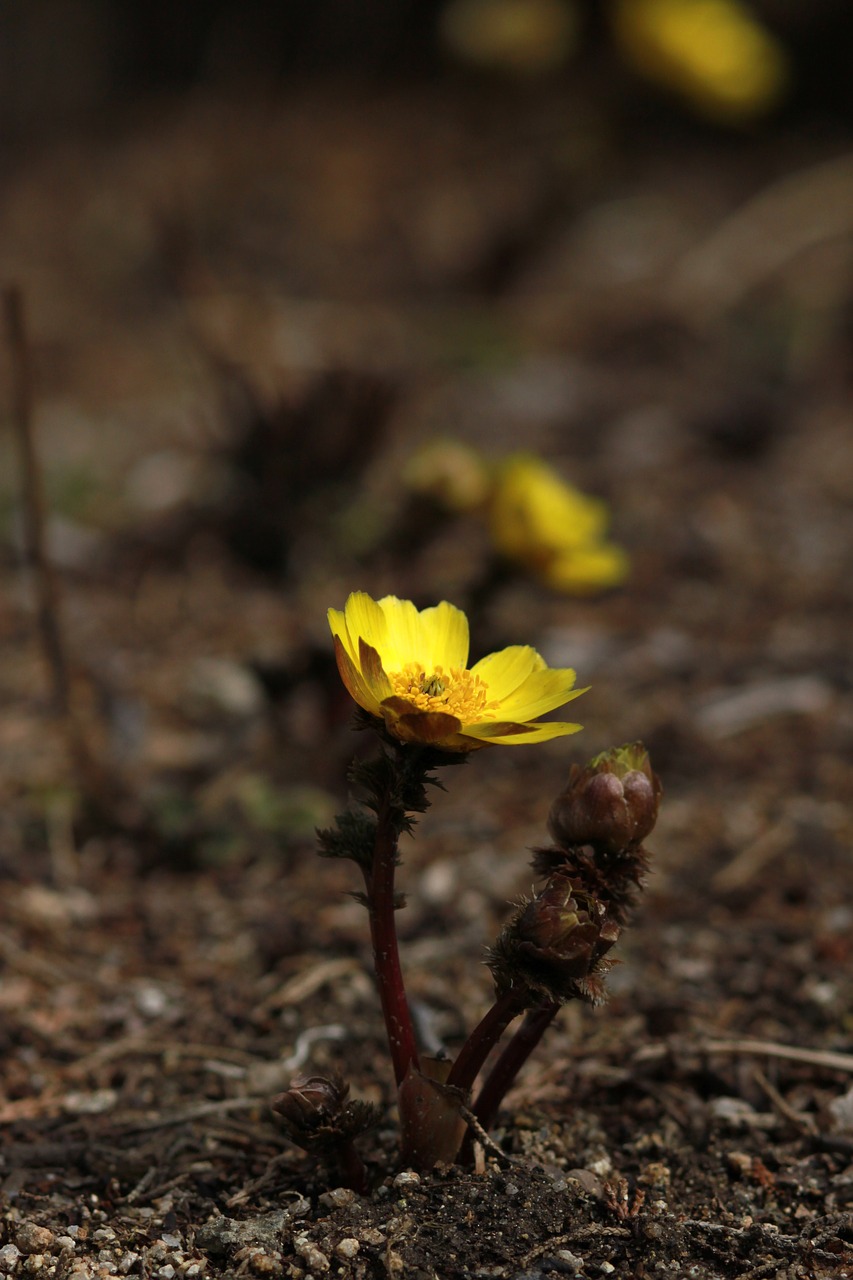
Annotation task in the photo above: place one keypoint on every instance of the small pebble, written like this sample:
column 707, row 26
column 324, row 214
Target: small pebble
column 841, row 1112
column 372, row 1236
column 9, row 1255
column 347, row 1248
column 262, row 1264
column 310, row 1254
column 736, row 1114
column 655, row 1174
column 408, row 1178
column 589, row 1181
column 337, row 1198
column 33, row 1239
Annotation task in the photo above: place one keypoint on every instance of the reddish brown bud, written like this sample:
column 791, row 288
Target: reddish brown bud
column 316, row 1114
column 612, row 804
column 311, row 1102
column 556, row 943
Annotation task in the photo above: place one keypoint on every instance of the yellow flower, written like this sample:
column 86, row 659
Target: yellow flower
column 450, row 472
column 408, row 667
column 556, row 532
column 710, row 51
column 520, row 37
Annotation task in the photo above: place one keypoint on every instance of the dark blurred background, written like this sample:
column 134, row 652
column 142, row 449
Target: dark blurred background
column 67, row 63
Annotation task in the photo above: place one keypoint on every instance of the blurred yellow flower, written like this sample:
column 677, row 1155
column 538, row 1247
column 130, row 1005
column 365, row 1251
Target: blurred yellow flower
column 519, row 37
column 409, row 668
column 450, row 472
column 712, row 52
column 558, row 533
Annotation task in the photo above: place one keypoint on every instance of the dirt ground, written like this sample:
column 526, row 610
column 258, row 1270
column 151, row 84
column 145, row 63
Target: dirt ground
column 245, row 316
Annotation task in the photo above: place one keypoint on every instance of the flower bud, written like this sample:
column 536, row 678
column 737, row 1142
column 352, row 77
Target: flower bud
column 317, row 1116
column 556, row 943
column 311, row 1102
column 612, row 804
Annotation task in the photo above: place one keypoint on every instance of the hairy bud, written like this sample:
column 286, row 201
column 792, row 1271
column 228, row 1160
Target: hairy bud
column 556, row 944
column 611, row 804
column 317, row 1116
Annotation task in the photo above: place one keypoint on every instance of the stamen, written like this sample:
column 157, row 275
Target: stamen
column 456, row 692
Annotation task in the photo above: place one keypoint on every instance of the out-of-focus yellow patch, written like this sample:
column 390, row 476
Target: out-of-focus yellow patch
column 712, row 52
column 451, row 473
column 521, row 37
column 553, row 530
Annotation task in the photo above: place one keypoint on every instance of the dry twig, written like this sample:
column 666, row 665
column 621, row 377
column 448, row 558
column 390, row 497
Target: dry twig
column 90, row 777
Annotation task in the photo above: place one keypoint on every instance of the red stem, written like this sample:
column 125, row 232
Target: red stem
column 485, row 1036
column 352, row 1168
column 505, row 1070
column 386, row 955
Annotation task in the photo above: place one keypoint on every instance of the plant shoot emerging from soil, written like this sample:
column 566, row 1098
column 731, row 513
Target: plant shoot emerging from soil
column 407, row 670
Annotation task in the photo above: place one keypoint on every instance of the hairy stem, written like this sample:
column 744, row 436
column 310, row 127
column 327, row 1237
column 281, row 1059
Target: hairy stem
column 383, row 934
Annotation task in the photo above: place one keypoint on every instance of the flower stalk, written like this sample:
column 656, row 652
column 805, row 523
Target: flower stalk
column 502, row 1075
column 485, row 1036
column 381, row 906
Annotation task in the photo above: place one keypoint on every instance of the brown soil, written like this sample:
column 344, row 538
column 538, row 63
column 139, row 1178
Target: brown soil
column 244, row 318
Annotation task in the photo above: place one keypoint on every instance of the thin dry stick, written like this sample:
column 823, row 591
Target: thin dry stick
column 761, row 1048
column 770, row 1049
column 48, row 609
column 801, row 1119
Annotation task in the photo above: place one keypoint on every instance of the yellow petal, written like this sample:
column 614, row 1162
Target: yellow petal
column 356, row 686
column 587, row 568
column 528, row 733
column 364, row 620
column 505, row 671
column 437, row 636
column 338, row 626
column 541, row 692
column 372, row 671
column 711, row 51
column 446, row 628
column 402, row 641
column 535, row 511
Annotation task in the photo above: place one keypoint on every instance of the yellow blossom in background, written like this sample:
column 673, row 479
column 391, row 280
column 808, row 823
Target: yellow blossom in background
column 518, row 37
column 712, row 52
column 553, row 530
column 409, row 668
column 453, row 474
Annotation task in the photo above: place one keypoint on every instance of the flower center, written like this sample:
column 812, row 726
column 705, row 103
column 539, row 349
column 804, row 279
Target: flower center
column 456, row 692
